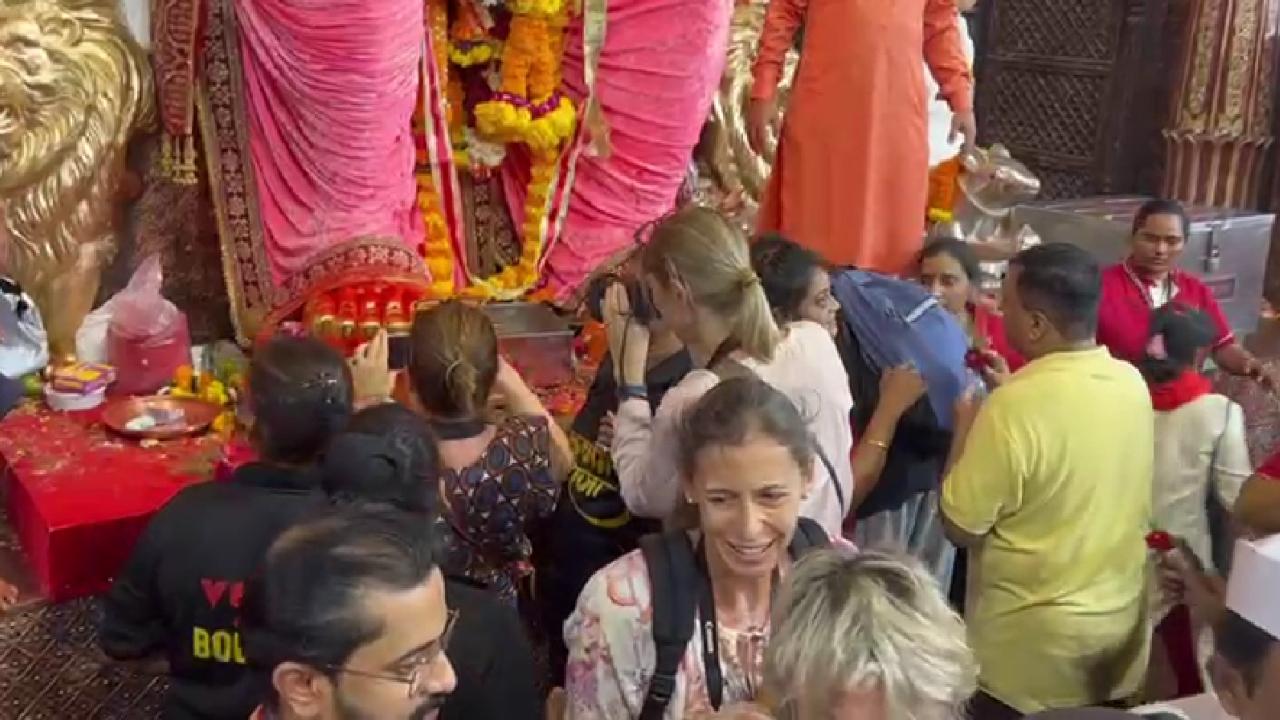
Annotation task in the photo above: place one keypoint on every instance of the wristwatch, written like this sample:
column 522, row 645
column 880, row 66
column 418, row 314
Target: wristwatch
column 628, row 392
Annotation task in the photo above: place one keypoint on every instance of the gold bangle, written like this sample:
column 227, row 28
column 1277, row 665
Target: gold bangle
column 876, row 443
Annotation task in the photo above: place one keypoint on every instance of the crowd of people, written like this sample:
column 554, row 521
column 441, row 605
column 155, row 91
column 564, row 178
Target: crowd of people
column 759, row 512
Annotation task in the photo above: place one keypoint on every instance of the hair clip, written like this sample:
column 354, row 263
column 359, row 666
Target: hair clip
column 1156, row 349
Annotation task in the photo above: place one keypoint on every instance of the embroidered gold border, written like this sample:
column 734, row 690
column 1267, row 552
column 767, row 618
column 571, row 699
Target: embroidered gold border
column 258, row 302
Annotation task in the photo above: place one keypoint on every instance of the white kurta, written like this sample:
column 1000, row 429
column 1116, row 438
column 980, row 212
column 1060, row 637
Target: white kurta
column 1200, row 448
column 939, row 112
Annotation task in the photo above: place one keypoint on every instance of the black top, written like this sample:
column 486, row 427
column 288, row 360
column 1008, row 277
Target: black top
column 602, row 398
column 180, row 591
column 491, row 657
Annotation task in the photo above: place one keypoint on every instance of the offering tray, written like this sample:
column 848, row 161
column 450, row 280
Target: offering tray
column 190, row 416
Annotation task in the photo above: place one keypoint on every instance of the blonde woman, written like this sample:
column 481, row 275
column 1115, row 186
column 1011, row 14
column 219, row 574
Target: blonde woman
column 697, row 276
column 866, row 637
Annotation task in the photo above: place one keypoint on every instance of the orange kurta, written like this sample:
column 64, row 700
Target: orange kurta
column 851, row 176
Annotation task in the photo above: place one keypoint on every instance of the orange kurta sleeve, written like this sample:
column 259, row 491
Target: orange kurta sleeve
column 943, row 51
column 781, row 21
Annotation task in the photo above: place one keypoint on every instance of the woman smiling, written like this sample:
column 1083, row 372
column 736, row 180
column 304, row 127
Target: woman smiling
column 744, row 462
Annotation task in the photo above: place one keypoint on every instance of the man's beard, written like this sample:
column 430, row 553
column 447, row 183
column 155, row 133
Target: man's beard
column 430, row 704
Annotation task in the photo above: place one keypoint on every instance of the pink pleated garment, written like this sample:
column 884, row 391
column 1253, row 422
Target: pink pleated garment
column 330, row 89
column 659, row 70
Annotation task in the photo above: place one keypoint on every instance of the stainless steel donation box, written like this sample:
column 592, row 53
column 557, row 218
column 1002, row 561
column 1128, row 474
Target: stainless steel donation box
column 1227, row 249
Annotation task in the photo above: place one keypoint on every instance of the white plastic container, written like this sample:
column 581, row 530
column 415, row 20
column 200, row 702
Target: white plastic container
column 73, row 402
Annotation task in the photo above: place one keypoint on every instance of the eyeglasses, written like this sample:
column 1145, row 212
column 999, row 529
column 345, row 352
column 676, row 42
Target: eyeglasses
column 417, row 677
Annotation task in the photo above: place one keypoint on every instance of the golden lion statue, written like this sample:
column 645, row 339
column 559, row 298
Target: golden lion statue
column 73, row 87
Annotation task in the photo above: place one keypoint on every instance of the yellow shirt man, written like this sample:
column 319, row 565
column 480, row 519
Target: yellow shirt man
column 1056, row 478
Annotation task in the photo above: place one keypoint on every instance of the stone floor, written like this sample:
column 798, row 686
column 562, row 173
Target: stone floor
column 50, row 667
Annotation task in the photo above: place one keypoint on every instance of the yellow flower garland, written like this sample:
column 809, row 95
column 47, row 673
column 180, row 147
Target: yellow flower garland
column 530, row 77
column 437, row 247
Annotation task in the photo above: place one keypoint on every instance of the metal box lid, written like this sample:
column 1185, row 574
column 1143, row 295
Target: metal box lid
column 524, row 319
column 1122, row 208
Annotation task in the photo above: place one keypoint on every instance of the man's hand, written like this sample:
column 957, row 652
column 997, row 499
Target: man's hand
column 995, row 369
column 760, row 114
column 964, row 124
column 1183, row 579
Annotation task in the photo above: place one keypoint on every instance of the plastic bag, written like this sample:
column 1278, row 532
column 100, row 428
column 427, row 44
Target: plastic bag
column 91, row 338
column 24, row 346
column 147, row 337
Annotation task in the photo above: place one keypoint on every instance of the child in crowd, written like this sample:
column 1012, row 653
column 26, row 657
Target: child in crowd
column 1201, row 461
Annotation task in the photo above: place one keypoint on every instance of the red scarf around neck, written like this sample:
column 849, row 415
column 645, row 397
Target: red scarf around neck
column 1183, row 389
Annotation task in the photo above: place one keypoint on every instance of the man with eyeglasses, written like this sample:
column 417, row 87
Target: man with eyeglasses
column 347, row 620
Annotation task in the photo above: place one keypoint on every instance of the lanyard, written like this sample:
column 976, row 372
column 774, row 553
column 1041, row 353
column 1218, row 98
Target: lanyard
column 1169, row 286
column 710, row 630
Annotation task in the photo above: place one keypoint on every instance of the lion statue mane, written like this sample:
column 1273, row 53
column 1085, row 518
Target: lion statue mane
column 74, row 86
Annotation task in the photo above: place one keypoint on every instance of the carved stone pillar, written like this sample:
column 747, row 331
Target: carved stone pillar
column 1220, row 124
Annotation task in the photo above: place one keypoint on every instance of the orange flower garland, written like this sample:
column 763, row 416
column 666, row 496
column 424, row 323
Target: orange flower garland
column 437, row 247
column 527, row 109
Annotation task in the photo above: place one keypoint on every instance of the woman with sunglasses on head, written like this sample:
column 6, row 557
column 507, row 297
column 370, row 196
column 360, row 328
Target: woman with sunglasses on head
column 696, row 273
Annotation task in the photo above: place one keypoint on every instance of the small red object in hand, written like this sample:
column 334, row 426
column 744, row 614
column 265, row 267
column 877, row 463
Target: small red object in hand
column 1160, row 541
column 975, row 360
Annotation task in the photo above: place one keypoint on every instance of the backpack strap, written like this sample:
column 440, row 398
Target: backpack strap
column 809, row 535
column 673, row 582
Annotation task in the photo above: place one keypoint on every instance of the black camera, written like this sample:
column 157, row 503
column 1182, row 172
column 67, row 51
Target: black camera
column 642, row 309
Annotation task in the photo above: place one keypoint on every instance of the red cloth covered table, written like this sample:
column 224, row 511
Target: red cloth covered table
column 78, row 497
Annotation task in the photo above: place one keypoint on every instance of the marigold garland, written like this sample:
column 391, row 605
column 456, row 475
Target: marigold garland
column 527, row 108
column 437, row 246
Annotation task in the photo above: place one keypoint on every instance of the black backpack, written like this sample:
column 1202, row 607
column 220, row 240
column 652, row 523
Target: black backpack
column 675, row 579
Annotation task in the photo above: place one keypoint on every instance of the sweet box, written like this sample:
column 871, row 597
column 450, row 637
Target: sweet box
column 82, row 378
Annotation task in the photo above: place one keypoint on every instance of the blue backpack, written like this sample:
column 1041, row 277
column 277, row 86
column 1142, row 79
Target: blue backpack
column 886, row 322
column 895, row 322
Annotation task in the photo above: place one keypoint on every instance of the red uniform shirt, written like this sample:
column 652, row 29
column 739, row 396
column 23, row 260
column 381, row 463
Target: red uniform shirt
column 1124, row 314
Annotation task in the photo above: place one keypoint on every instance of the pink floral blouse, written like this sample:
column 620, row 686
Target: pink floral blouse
column 611, row 652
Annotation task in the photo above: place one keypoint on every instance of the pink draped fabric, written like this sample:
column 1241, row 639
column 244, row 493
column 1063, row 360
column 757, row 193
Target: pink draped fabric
column 330, row 89
column 659, row 70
